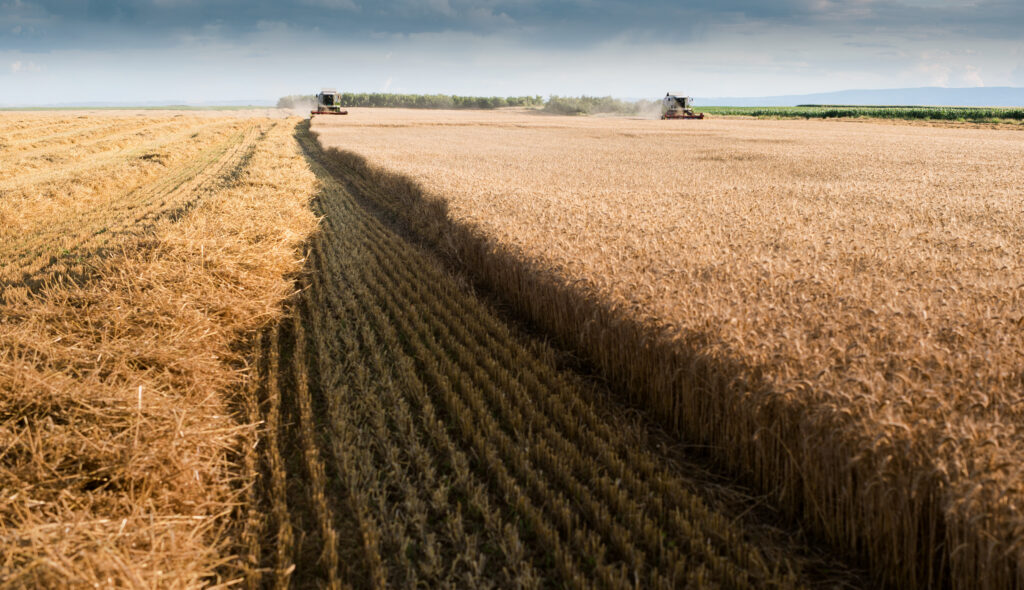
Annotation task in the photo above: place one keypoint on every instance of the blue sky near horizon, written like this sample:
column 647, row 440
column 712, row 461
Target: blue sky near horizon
column 54, row 51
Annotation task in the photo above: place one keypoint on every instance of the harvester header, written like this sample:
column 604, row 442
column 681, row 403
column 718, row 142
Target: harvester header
column 328, row 102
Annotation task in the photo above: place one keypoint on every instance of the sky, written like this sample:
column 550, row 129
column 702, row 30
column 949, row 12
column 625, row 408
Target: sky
column 197, row 51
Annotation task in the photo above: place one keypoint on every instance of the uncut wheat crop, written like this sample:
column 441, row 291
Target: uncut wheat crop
column 838, row 307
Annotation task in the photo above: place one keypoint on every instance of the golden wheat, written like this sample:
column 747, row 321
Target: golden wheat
column 835, row 305
column 136, row 267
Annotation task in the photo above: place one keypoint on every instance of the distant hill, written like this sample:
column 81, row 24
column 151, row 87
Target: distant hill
column 996, row 96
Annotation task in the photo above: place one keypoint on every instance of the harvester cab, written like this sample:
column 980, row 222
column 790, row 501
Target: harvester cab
column 678, row 106
column 328, row 102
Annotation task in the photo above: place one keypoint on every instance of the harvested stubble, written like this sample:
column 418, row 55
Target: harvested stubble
column 835, row 307
column 132, row 289
column 54, row 224
column 419, row 442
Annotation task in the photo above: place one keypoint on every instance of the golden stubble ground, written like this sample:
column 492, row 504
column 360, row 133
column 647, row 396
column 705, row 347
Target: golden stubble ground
column 869, row 274
column 140, row 254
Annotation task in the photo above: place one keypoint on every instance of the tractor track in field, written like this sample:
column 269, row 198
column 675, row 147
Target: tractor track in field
column 59, row 248
column 415, row 438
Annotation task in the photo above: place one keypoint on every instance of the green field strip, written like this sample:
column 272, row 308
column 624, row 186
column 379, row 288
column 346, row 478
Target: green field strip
column 973, row 114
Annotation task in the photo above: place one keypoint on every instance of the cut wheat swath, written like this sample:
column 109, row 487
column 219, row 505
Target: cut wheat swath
column 140, row 255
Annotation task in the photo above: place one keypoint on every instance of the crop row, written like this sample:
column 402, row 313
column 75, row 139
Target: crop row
column 57, row 219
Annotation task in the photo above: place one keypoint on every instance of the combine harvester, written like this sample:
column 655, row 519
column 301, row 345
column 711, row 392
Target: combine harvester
column 328, row 102
column 678, row 106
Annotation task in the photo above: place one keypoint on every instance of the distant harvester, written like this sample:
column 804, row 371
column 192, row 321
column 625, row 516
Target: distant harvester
column 328, row 102
column 677, row 105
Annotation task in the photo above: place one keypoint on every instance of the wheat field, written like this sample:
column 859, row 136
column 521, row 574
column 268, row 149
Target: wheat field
column 141, row 254
column 836, row 307
column 222, row 365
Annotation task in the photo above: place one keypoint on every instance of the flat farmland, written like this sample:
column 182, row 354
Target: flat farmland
column 221, row 364
column 836, row 308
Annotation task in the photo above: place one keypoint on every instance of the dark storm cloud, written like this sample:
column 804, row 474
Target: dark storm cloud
column 41, row 25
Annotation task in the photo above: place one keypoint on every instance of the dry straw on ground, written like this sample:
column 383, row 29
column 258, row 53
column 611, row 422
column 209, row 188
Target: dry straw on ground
column 141, row 254
column 837, row 307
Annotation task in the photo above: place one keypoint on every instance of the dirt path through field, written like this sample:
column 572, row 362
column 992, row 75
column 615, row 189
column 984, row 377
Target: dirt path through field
column 420, row 440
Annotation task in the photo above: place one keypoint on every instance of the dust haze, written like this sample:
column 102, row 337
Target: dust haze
column 302, row 107
column 648, row 109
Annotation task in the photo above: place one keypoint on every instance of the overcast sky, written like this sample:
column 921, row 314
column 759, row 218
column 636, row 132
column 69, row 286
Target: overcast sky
column 54, row 51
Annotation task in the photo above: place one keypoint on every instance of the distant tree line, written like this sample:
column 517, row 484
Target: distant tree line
column 416, row 101
column 562, row 105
